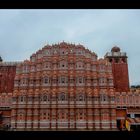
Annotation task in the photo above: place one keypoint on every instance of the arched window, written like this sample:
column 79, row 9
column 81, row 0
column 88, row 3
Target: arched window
column 80, row 97
column 63, row 80
column 45, row 98
column 79, row 65
column 103, row 98
column 47, row 65
column 63, row 64
column 46, row 80
column 47, row 52
column 33, row 68
column 62, row 97
column 22, row 98
column 80, row 80
column 113, row 98
column 118, row 99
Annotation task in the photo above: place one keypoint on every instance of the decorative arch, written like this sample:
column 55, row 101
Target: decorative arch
column 80, row 97
column 62, row 96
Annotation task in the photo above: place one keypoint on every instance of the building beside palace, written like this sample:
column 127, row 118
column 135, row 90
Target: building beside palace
column 7, row 75
column 66, row 86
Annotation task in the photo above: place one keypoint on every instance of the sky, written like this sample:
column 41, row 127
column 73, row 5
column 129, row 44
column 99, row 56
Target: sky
column 23, row 32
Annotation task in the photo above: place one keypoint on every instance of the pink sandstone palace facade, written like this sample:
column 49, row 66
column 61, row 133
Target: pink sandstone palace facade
column 65, row 86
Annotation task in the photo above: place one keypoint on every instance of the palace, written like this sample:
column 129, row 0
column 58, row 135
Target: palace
column 66, row 86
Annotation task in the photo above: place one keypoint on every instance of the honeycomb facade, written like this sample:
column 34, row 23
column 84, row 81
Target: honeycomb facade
column 64, row 86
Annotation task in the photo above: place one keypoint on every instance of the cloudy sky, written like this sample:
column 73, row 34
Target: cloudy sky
column 23, row 32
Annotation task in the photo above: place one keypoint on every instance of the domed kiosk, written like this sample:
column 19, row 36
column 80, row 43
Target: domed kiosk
column 115, row 49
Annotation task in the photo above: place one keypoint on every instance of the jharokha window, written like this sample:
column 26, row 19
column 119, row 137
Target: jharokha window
column 80, row 97
column 103, row 98
column 22, row 98
column 62, row 97
column 44, row 98
column 46, row 80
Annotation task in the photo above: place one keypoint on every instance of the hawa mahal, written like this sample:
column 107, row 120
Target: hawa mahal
column 66, row 86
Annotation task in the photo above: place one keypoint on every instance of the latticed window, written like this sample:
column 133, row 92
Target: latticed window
column 25, row 68
column 47, row 52
column 95, row 82
column 103, row 97
column 80, row 80
column 79, row 65
column 63, row 80
column 46, row 80
column 110, row 81
column 22, row 98
column 71, row 65
column 62, row 97
column 81, row 97
column 88, row 66
column 101, row 67
column 78, row 51
column 113, row 98
column 43, row 115
column 47, row 65
column 63, row 64
column 38, row 67
column 102, row 80
column 80, row 114
column 33, row 68
column 45, row 98
column 62, row 114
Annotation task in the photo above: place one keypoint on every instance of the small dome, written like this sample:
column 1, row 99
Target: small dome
column 115, row 49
